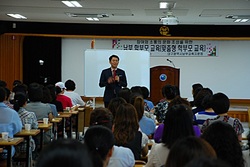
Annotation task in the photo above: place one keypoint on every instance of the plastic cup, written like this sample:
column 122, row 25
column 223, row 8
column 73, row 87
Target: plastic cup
column 5, row 135
column 27, row 127
column 45, row 120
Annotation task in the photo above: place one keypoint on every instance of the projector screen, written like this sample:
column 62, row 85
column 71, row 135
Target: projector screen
column 136, row 65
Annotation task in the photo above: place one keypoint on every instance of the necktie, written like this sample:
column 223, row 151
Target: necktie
column 114, row 73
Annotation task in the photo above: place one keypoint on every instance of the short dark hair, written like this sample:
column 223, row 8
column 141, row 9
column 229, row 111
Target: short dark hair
column 2, row 94
column 7, row 93
column 3, row 83
column 65, row 152
column 70, row 85
column 220, row 103
column 35, row 92
column 115, row 56
column 169, row 92
column 196, row 86
column 145, row 92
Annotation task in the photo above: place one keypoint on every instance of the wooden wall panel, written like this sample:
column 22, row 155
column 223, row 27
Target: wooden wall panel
column 11, row 58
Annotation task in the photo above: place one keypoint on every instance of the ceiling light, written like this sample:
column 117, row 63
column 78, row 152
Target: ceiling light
column 241, row 20
column 92, row 18
column 17, row 16
column 167, row 5
column 72, row 4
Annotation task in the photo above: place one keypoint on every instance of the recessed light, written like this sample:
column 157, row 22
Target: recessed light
column 92, row 18
column 72, row 4
column 17, row 16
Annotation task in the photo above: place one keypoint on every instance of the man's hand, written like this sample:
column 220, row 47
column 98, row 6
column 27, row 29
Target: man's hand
column 117, row 78
column 111, row 80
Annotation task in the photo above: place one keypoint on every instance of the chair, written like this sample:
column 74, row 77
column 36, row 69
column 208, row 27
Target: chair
column 139, row 163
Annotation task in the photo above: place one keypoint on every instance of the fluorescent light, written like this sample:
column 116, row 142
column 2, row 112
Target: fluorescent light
column 72, row 4
column 163, row 5
column 92, row 18
column 241, row 20
column 244, row 20
column 17, row 16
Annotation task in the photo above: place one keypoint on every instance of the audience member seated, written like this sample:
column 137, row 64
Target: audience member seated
column 100, row 142
column 122, row 156
column 187, row 149
column 149, row 105
column 20, row 101
column 58, row 104
column 9, row 120
column 70, row 92
column 199, row 98
column 224, row 140
column 169, row 92
column 41, row 110
column 220, row 104
column 65, row 100
column 147, row 125
column 126, row 131
column 159, row 131
column 178, row 124
column 114, row 104
column 47, row 99
column 195, row 89
column 125, row 93
column 7, row 100
column 208, row 113
column 65, row 153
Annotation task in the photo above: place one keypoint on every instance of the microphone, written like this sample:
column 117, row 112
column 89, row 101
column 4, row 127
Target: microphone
column 170, row 61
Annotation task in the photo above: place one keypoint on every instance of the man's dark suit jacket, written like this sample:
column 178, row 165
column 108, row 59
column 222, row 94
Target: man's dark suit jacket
column 112, row 89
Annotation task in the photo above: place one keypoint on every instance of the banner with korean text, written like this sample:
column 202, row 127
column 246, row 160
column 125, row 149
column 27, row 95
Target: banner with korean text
column 160, row 48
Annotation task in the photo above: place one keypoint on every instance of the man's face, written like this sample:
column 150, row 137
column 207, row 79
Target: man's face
column 114, row 62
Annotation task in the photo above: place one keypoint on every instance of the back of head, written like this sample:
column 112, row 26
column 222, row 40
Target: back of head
column 188, row 148
column 66, row 153
column 136, row 89
column 3, row 84
column 145, row 92
column 7, row 93
column 19, row 100
column 137, row 101
column 203, row 93
column 52, row 90
column 178, row 124
column 2, row 94
column 224, row 140
column 20, row 88
column 125, row 94
column 206, row 162
column 114, row 104
column 16, row 82
column 178, row 100
column 46, row 95
column 70, row 85
column 35, row 92
column 169, row 92
column 100, row 141
column 125, row 123
column 101, row 116
column 196, row 86
column 220, row 103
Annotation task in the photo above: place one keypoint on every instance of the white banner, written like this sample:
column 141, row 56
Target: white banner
column 159, row 48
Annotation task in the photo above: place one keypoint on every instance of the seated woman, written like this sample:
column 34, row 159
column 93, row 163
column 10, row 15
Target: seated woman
column 66, row 153
column 178, row 124
column 224, row 140
column 126, row 131
column 100, row 142
column 147, row 125
column 187, row 149
column 159, row 131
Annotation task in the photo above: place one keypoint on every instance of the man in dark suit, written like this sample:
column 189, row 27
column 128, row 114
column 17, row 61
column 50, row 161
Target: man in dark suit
column 113, row 79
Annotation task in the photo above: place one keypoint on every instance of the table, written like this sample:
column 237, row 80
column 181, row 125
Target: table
column 43, row 127
column 76, row 114
column 8, row 144
column 55, row 121
column 64, row 115
column 27, row 134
